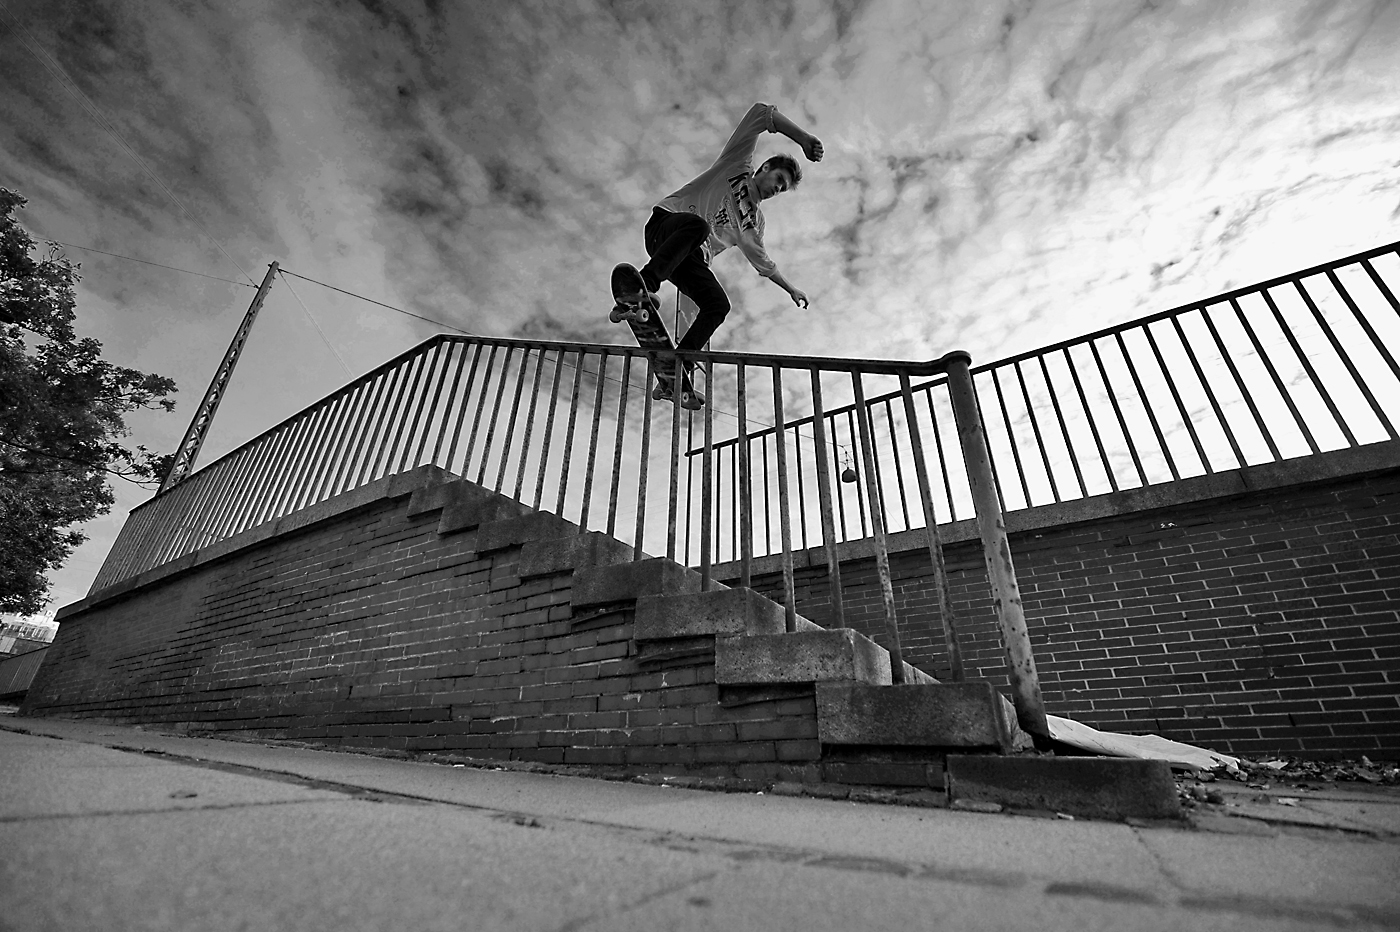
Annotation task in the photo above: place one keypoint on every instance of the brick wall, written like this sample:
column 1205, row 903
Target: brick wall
column 1265, row 622
column 372, row 629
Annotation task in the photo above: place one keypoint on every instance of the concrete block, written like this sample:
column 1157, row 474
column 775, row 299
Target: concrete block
column 625, row 582
column 516, row 530
column 549, row 556
column 469, row 506
column 1095, row 787
column 937, row 715
column 420, row 477
column 800, row 657
column 431, row 498
column 721, row 611
column 914, row 675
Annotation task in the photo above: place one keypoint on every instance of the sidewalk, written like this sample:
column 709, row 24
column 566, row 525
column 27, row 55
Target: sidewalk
column 111, row 827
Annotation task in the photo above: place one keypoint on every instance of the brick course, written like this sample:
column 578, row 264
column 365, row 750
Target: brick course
column 1261, row 623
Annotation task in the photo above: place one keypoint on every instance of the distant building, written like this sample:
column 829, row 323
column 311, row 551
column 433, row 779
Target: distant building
column 20, row 637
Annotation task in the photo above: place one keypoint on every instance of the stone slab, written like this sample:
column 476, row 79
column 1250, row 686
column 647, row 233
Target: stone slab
column 516, row 531
column 938, row 715
column 627, row 582
column 1094, row 787
column 548, row 556
column 721, row 611
column 800, row 657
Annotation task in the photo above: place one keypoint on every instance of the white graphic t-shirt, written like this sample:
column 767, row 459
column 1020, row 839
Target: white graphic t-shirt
column 724, row 194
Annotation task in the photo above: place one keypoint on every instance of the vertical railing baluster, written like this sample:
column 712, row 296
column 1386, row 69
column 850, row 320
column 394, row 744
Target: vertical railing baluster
column 840, row 493
column 877, row 524
column 744, row 485
column 833, row 560
column 621, row 432
column 1011, row 438
column 590, row 463
column 707, row 479
column 287, row 471
column 447, row 349
column 677, row 371
column 567, row 462
column 529, row 427
column 387, row 445
column 321, row 455
column 1273, row 374
column 801, row 488
column 1346, row 358
column 898, row 467
column 1244, row 391
column 495, row 418
column 1210, row 393
column 860, row 495
column 1064, row 427
column 1186, row 419
column 363, row 442
column 1118, row 411
column 1376, row 342
column 452, row 398
column 1313, row 379
column 942, row 459
column 784, row 517
column 1093, row 424
column 418, row 410
column 344, row 437
column 480, row 409
column 1039, row 437
column 514, row 417
column 548, row 442
column 466, row 398
column 935, row 542
column 767, row 506
column 644, row 457
column 1381, row 285
column 421, row 364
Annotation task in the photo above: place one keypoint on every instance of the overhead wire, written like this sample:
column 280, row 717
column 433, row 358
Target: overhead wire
column 317, row 325
column 158, row 265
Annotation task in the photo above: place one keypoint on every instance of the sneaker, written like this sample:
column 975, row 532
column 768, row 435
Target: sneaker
column 629, row 290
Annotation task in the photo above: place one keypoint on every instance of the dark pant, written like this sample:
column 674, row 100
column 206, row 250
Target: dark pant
column 674, row 241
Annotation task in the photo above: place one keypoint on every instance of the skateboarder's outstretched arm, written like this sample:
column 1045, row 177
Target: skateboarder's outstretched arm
column 811, row 145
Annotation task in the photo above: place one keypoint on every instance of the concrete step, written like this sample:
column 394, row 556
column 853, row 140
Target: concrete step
column 628, row 582
column 717, row 612
column 927, row 715
column 800, row 657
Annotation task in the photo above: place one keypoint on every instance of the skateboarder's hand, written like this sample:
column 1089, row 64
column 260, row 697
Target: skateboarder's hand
column 799, row 297
column 812, row 148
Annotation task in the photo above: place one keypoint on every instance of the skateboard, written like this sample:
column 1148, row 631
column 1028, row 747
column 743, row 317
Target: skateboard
column 644, row 317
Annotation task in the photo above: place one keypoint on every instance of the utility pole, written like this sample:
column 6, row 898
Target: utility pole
column 204, row 416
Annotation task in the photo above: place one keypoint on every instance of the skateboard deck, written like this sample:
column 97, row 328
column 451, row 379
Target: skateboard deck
column 651, row 333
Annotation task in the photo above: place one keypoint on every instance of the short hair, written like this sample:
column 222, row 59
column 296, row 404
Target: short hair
column 786, row 162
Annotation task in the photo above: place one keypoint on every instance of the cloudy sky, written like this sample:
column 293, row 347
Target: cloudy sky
column 998, row 175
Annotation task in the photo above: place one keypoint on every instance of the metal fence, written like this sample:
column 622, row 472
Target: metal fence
column 807, row 452
column 1298, row 365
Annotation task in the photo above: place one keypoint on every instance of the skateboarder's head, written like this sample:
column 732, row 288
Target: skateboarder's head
column 780, row 173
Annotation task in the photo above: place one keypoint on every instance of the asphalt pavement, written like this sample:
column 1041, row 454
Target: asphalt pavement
column 111, row 828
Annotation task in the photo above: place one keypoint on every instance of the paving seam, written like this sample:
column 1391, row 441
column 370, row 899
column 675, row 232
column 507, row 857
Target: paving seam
column 217, row 807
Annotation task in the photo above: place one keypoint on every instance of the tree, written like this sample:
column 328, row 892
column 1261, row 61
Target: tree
column 62, row 409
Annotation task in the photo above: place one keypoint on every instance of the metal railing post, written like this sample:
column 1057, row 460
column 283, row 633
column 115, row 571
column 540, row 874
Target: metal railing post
column 1001, row 573
column 877, row 526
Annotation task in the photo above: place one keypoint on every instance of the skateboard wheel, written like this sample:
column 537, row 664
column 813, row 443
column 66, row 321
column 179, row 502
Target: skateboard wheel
column 642, row 315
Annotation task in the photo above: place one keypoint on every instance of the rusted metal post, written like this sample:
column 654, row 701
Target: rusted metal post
column 877, row 524
column 935, row 544
column 1001, row 573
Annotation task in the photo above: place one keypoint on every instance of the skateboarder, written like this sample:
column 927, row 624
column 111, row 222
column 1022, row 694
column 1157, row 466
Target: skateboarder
column 716, row 210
